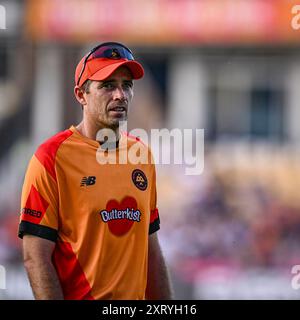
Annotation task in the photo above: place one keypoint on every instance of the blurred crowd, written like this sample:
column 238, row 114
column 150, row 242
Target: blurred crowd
column 233, row 218
column 10, row 245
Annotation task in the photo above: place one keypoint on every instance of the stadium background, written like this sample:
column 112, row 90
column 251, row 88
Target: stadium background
column 231, row 67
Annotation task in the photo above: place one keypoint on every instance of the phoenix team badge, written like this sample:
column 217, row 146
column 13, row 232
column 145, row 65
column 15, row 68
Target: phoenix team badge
column 139, row 179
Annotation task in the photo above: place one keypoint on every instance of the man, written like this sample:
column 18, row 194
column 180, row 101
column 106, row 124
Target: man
column 89, row 227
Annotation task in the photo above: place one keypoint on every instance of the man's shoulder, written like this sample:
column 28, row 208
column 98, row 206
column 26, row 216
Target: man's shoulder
column 46, row 152
column 50, row 146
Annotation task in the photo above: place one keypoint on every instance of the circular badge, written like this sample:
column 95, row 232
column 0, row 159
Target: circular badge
column 139, row 179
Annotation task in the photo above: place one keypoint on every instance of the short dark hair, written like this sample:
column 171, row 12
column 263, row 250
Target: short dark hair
column 86, row 86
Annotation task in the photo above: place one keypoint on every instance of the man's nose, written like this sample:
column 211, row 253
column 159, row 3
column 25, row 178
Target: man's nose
column 119, row 94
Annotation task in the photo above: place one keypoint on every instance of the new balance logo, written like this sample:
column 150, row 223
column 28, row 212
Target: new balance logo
column 88, row 181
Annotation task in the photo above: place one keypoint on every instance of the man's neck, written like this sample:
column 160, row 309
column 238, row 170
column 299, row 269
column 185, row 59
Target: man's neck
column 97, row 133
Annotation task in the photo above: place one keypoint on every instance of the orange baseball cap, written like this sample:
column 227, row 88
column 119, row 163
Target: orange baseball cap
column 103, row 60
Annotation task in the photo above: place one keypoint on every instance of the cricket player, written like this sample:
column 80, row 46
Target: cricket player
column 89, row 227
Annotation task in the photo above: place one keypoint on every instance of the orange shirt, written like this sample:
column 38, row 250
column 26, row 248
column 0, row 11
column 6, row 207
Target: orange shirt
column 99, row 215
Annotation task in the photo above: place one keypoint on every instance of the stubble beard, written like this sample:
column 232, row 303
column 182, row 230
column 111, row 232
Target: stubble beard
column 114, row 124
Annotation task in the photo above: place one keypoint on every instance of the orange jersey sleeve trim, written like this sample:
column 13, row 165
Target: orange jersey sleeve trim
column 154, row 221
column 38, row 230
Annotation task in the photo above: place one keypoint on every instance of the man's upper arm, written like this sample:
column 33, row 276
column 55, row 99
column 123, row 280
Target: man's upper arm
column 40, row 268
column 36, row 248
column 154, row 246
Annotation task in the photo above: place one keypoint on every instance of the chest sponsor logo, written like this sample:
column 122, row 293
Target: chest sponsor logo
column 139, row 179
column 120, row 216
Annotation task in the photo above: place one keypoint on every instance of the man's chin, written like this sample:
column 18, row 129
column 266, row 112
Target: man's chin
column 115, row 124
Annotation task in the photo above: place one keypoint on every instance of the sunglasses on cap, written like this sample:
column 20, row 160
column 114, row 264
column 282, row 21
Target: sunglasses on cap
column 108, row 50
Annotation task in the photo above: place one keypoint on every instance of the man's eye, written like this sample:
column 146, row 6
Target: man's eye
column 107, row 86
column 128, row 85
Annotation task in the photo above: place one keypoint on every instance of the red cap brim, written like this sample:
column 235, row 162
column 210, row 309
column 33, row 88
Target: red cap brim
column 135, row 68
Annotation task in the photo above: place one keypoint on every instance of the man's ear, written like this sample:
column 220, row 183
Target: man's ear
column 79, row 94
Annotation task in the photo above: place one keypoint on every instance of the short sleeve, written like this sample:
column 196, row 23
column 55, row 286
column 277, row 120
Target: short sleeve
column 154, row 214
column 39, row 202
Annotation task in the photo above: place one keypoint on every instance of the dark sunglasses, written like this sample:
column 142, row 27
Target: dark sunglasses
column 109, row 50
